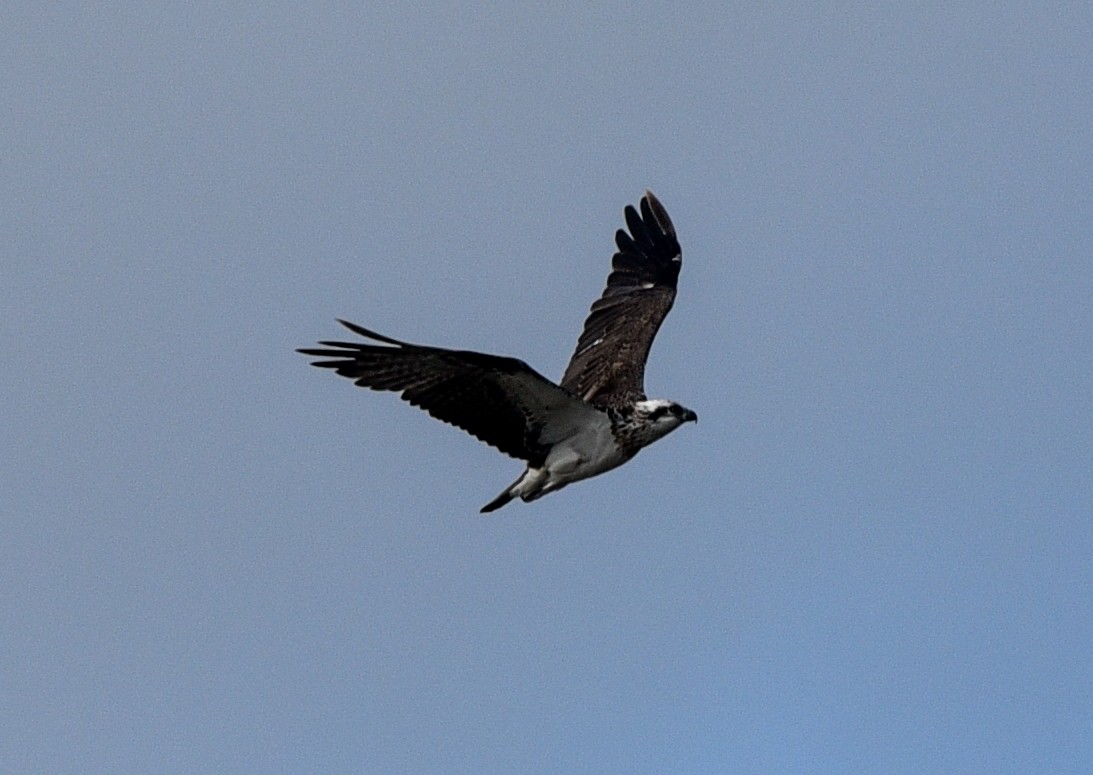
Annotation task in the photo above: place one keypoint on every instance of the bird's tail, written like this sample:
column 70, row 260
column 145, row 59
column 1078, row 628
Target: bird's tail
column 533, row 483
column 527, row 486
column 499, row 501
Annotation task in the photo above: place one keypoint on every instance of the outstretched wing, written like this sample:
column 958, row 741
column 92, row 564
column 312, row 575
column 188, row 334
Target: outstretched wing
column 502, row 401
column 608, row 367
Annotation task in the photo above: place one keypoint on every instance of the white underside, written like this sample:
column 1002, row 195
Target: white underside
column 591, row 450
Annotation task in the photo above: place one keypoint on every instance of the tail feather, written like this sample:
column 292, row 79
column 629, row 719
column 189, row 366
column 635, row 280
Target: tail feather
column 530, row 485
column 498, row 502
column 525, row 483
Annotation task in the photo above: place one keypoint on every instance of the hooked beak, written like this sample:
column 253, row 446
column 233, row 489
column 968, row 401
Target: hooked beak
column 690, row 416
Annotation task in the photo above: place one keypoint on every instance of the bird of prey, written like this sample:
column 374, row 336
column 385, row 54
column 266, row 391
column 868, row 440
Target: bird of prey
column 595, row 419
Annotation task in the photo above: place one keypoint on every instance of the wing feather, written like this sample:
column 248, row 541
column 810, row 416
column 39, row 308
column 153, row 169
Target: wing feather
column 608, row 366
column 502, row 401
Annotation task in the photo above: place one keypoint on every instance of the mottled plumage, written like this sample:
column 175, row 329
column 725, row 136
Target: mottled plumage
column 595, row 420
column 608, row 366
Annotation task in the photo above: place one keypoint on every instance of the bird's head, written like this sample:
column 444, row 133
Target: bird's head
column 664, row 415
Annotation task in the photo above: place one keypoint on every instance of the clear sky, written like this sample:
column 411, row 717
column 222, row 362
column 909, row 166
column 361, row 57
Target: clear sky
column 874, row 553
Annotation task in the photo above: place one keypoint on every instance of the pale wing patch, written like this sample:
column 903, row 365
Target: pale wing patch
column 593, row 344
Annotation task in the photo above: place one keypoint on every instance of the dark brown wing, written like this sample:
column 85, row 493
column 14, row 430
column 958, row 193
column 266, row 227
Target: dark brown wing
column 608, row 366
column 502, row 401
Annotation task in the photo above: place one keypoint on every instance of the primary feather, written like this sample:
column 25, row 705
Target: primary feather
column 595, row 420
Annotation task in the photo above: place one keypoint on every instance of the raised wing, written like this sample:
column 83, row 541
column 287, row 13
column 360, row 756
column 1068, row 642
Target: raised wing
column 502, row 401
column 608, row 367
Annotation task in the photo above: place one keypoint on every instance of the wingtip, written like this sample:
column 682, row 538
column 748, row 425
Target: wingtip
column 652, row 206
column 654, row 203
column 353, row 327
column 369, row 334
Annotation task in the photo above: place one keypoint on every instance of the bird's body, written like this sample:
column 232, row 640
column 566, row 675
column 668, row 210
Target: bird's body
column 601, row 441
column 596, row 419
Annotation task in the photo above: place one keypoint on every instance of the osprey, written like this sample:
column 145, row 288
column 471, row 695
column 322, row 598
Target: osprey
column 596, row 419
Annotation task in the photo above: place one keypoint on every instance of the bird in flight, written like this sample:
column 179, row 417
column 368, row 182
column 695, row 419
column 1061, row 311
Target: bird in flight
column 595, row 419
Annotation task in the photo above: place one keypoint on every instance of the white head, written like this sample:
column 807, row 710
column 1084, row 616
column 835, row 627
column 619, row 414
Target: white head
column 664, row 416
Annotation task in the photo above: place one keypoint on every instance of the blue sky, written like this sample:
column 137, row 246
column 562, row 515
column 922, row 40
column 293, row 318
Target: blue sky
column 873, row 554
